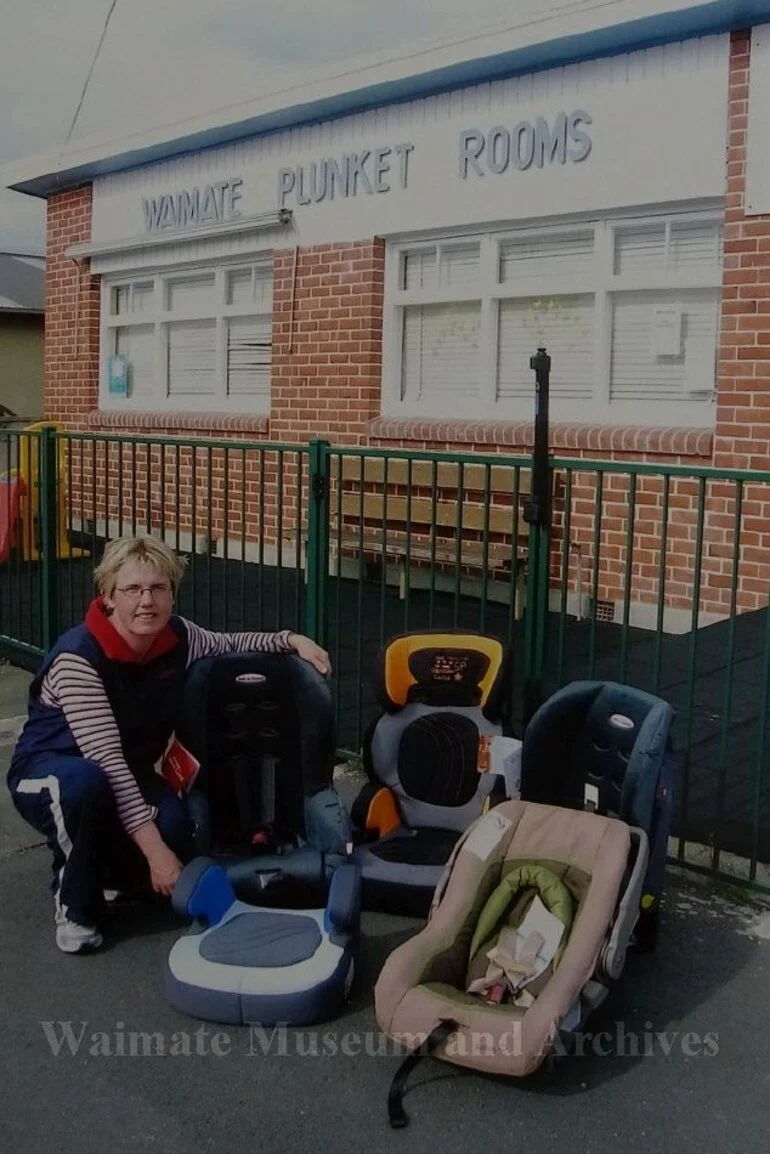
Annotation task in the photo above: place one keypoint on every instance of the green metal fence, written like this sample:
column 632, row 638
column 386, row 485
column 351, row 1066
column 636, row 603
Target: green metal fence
column 679, row 559
column 414, row 541
column 236, row 509
column 657, row 576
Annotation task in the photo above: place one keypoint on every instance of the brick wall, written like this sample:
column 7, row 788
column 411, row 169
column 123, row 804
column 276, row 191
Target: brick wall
column 327, row 358
column 731, row 571
column 327, row 341
column 208, row 495
column 71, row 367
column 606, row 550
column 327, row 368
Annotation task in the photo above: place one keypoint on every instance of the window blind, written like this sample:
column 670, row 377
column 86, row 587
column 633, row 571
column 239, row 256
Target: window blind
column 565, row 326
column 249, row 356
column 440, row 350
column 192, row 358
column 639, row 372
column 562, row 254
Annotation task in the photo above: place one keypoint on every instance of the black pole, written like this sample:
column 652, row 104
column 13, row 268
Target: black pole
column 537, row 508
column 537, row 513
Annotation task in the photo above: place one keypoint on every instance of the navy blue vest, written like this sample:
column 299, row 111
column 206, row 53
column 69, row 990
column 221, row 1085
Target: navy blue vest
column 145, row 697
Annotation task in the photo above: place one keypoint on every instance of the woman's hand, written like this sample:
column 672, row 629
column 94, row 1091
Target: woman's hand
column 307, row 649
column 165, row 866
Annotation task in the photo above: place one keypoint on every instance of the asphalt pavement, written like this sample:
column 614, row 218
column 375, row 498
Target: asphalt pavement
column 93, row 1057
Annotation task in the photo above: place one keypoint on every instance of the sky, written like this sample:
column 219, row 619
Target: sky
column 163, row 60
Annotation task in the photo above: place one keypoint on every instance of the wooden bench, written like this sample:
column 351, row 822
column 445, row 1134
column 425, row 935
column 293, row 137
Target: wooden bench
column 409, row 516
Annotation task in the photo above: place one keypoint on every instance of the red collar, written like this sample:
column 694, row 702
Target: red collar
column 98, row 624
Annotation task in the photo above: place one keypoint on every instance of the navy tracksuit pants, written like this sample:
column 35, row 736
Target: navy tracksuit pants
column 70, row 802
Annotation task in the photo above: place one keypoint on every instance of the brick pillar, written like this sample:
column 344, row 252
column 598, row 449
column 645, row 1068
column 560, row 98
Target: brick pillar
column 743, row 399
column 71, row 373
column 742, row 434
column 327, row 341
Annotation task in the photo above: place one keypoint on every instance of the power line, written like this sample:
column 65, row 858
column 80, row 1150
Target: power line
column 425, row 46
column 90, row 71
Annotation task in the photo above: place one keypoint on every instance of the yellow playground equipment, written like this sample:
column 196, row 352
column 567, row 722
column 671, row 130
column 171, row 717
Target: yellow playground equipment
column 23, row 482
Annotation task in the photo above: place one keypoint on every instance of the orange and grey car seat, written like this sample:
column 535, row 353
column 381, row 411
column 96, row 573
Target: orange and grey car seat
column 441, row 694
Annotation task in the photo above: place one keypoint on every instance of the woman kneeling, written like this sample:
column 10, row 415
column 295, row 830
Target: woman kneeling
column 102, row 710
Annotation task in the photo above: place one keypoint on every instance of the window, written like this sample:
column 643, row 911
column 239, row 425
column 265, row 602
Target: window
column 193, row 340
column 628, row 310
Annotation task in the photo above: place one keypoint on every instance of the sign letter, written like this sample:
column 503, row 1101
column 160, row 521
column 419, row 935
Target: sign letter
column 381, row 167
column 357, row 162
column 498, row 149
column 471, row 148
column 551, row 146
column 152, row 209
column 402, row 151
column 285, row 184
column 578, row 137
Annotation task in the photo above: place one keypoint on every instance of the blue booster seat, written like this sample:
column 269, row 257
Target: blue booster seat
column 271, row 830
column 606, row 747
column 440, row 694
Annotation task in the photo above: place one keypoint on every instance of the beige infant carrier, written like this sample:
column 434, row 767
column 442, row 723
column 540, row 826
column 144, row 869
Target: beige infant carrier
column 529, row 925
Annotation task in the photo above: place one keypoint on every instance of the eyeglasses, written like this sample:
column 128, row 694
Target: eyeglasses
column 134, row 592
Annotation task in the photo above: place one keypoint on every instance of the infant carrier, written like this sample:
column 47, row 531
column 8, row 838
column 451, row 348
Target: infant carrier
column 538, row 904
column 528, row 929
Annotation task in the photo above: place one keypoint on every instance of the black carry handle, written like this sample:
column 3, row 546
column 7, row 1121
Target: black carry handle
column 396, row 1113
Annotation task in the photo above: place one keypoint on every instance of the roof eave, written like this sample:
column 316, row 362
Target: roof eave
column 714, row 17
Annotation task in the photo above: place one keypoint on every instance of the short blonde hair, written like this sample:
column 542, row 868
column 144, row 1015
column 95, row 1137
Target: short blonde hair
column 146, row 550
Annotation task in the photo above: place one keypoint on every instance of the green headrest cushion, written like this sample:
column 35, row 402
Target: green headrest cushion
column 553, row 893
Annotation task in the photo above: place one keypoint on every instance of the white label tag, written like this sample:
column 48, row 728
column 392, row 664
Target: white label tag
column 505, row 761
column 501, row 756
column 542, row 921
column 591, row 795
column 487, row 835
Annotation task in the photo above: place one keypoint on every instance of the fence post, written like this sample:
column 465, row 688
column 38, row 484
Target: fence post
column 48, row 507
column 317, row 558
column 537, row 514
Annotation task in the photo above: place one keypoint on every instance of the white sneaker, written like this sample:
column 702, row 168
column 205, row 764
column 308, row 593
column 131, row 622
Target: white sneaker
column 76, row 939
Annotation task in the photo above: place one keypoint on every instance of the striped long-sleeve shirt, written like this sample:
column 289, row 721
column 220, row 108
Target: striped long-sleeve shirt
column 74, row 686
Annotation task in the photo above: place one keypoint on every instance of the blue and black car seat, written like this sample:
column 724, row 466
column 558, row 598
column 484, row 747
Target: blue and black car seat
column 274, row 897
column 262, row 727
column 607, row 747
column 439, row 693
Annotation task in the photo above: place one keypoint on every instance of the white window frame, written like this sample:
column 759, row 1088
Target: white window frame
column 597, row 278
column 160, row 316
